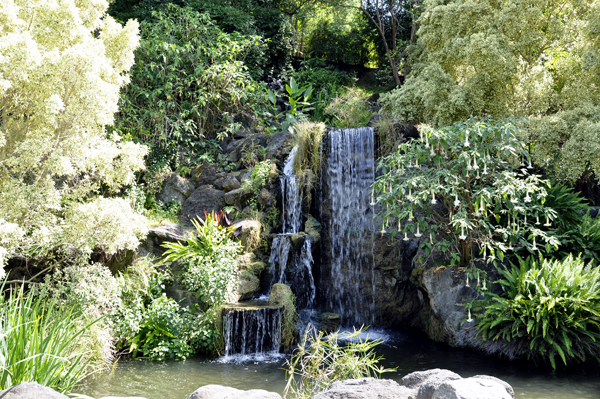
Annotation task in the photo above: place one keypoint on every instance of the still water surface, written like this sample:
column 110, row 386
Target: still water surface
column 406, row 351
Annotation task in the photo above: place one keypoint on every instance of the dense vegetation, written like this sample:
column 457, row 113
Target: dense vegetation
column 99, row 105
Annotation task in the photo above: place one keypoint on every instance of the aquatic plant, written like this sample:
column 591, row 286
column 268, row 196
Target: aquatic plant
column 548, row 309
column 320, row 361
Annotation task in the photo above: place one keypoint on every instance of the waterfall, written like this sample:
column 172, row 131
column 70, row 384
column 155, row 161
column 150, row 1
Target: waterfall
column 349, row 175
column 283, row 260
column 290, row 196
column 252, row 330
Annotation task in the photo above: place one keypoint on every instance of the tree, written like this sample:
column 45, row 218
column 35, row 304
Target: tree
column 539, row 59
column 62, row 64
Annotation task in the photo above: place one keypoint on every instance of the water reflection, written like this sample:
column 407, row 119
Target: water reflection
column 408, row 352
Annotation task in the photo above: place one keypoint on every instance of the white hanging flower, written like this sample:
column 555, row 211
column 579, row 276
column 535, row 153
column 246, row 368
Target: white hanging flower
column 547, row 224
column 405, row 236
column 537, row 220
column 470, row 319
column 527, row 198
column 462, row 235
column 456, row 201
column 418, row 233
column 433, row 200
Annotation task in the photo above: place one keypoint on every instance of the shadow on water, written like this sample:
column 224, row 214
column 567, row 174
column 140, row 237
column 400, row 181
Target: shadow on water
column 407, row 351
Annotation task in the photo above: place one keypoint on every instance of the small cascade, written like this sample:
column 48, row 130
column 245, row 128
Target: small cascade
column 251, row 328
column 349, row 176
column 286, row 265
column 290, row 195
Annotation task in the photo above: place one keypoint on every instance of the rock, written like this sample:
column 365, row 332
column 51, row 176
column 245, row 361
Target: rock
column 31, row 390
column 471, row 388
column 175, row 188
column 375, row 119
column 248, row 287
column 265, row 198
column 593, row 211
column 157, row 236
column 313, row 228
column 365, row 388
column 505, row 384
column 238, row 197
column 374, row 98
column 425, row 383
column 122, row 397
column 248, row 120
column 298, row 239
column 204, row 174
column 230, row 183
column 329, row 322
column 250, row 234
column 279, row 146
column 221, row 392
column 281, row 294
column 204, row 199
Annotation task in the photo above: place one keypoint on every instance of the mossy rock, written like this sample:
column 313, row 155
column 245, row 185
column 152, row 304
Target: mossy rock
column 281, row 294
column 329, row 322
column 313, row 228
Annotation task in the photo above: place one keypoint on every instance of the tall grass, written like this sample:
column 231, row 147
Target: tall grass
column 39, row 342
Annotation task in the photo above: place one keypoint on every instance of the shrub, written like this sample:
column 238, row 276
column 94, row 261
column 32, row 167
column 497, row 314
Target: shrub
column 548, row 309
column 40, row 342
column 349, row 109
column 187, row 75
column 319, row 362
column 209, row 259
column 307, row 164
column 478, row 172
column 62, row 67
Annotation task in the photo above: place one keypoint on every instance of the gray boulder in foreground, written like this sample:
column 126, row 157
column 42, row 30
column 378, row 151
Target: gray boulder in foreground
column 429, row 384
column 221, row 392
column 365, row 388
column 31, row 390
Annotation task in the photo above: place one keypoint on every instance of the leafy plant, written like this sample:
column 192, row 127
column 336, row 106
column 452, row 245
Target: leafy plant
column 320, row 361
column 307, row 164
column 349, row 109
column 39, row 342
column 298, row 98
column 208, row 257
column 549, row 309
column 468, row 187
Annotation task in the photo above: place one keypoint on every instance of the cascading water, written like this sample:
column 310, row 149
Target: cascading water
column 252, row 330
column 349, row 176
column 282, row 260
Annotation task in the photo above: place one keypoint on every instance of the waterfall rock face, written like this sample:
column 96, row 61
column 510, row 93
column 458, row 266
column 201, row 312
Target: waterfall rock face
column 363, row 273
column 251, row 328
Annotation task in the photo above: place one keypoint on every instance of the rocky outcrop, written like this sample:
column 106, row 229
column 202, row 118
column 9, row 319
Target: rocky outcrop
column 206, row 198
column 429, row 384
column 175, row 188
column 157, row 236
column 279, row 146
column 221, row 392
column 31, row 390
column 328, row 322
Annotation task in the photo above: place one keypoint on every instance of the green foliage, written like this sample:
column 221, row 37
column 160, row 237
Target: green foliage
column 261, row 175
column 467, row 186
column 39, row 342
column 339, row 43
column 500, row 59
column 548, row 309
column 307, row 164
column 349, row 110
column 298, row 98
column 188, row 73
column 209, row 259
column 320, row 361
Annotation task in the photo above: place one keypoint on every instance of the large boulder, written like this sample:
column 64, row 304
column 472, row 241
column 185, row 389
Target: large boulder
column 425, row 383
column 471, row 388
column 238, row 197
column 31, row 390
column 250, row 234
column 366, row 388
column 279, row 146
column 221, row 392
column 204, row 199
column 328, row 322
column 175, row 188
column 152, row 244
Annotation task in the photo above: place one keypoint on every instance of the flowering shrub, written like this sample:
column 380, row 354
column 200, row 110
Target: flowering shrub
column 62, row 65
column 467, row 186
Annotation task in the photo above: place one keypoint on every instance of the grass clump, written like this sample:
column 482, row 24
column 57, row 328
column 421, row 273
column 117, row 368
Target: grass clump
column 349, row 110
column 319, row 362
column 309, row 136
column 549, row 309
column 40, row 342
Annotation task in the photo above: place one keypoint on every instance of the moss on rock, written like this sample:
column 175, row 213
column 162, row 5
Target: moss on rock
column 281, row 294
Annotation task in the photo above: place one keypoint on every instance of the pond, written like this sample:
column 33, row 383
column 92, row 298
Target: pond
column 407, row 351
